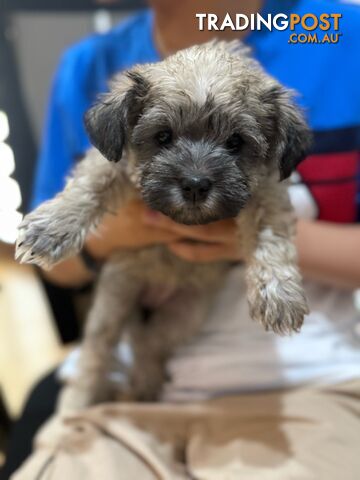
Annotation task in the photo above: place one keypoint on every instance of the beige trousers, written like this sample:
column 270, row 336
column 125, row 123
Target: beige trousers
column 301, row 434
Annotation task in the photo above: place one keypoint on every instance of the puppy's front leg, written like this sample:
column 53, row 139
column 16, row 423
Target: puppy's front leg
column 275, row 293
column 57, row 228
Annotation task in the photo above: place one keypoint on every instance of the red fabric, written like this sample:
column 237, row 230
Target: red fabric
column 336, row 201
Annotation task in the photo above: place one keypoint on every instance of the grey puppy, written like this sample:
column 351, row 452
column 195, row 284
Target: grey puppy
column 204, row 135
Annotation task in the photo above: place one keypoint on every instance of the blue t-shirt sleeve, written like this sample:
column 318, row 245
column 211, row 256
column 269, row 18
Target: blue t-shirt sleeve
column 64, row 138
column 83, row 73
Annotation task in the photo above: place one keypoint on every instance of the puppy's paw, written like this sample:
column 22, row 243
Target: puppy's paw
column 74, row 398
column 146, row 381
column 277, row 301
column 47, row 236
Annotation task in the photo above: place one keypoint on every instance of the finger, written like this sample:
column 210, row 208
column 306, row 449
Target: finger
column 159, row 235
column 204, row 252
column 223, row 231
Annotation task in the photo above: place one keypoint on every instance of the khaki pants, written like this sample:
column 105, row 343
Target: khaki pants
column 301, row 434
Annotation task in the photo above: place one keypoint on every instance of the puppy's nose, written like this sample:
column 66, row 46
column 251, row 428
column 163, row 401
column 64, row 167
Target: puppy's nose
column 195, row 189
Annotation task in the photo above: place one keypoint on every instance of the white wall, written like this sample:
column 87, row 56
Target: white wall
column 40, row 39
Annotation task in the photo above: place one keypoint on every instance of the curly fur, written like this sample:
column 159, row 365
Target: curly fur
column 204, row 96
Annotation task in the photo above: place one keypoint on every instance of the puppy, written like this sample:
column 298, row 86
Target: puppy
column 204, row 135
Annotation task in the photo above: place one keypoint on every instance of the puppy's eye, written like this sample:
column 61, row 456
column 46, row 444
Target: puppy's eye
column 234, row 143
column 164, row 137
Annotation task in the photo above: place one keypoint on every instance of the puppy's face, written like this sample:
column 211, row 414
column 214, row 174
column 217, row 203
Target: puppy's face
column 202, row 130
column 195, row 162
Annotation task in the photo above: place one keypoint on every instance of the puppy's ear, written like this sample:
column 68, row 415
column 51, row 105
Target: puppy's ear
column 108, row 121
column 291, row 138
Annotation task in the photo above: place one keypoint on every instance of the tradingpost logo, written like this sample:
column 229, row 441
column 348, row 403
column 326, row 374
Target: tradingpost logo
column 307, row 28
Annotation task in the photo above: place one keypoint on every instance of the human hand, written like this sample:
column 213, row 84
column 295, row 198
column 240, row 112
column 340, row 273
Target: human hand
column 127, row 229
column 135, row 226
column 200, row 243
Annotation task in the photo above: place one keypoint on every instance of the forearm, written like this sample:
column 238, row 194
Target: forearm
column 329, row 253
column 73, row 273
column 70, row 273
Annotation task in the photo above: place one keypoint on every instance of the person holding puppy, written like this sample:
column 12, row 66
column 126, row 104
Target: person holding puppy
column 271, row 407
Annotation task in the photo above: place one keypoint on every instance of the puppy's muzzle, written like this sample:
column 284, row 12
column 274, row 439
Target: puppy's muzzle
column 195, row 189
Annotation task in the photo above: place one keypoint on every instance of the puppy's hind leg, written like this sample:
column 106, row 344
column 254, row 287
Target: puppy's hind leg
column 275, row 292
column 171, row 325
column 115, row 301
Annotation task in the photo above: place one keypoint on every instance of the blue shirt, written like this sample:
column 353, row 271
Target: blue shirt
column 326, row 77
